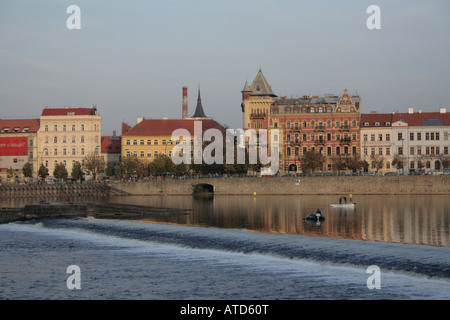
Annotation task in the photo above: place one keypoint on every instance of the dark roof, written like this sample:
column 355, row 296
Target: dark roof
column 260, row 86
column 69, row 111
column 199, row 113
column 376, row 120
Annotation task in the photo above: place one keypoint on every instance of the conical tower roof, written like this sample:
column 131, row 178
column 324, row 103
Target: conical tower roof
column 260, row 86
column 199, row 113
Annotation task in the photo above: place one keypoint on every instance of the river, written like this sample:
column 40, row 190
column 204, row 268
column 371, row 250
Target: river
column 238, row 248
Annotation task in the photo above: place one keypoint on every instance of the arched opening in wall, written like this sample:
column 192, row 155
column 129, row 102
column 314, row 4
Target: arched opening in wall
column 437, row 165
column 203, row 188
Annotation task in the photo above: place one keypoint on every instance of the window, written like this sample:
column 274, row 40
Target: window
column 400, row 151
column 288, row 124
column 353, row 123
column 365, row 151
column 82, row 139
column 419, row 136
column 313, row 124
column 164, row 142
column 338, row 124
column 82, row 151
column 55, row 128
column 380, row 151
column 46, row 127
column 400, row 136
column 73, row 151
column 55, row 152
column 73, row 139
column 427, row 136
column 372, row 151
column 419, row 150
column 73, row 127
column 55, row 139
column 46, row 152
column 82, row 127
column 155, row 142
column 64, row 127
column 437, row 136
column 432, row 135
column 388, row 165
column 142, row 154
column 155, row 153
column 380, row 137
column 329, row 124
column 135, row 154
column 64, row 152
column 411, row 150
column 411, row 136
column 365, row 137
column 149, row 154
column 142, row 142
column 149, row 142
column 372, row 137
column 411, row 165
column 445, row 150
column 388, row 151
column 388, row 137
column 288, row 151
column 128, row 142
column 438, row 150
column 134, row 142
column 64, row 139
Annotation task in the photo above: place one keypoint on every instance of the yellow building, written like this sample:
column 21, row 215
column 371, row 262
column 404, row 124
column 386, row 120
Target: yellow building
column 68, row 135
column 376, row 142
column 18, row 145
column 152, row 137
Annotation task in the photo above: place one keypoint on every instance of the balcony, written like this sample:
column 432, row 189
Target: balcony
column 319, row 129
column 320, row 142
column 344, row 128
column 346, row 141
column 257, row 116
column 295, row 129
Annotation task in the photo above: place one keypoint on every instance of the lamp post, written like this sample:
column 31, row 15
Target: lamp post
column 403, row 151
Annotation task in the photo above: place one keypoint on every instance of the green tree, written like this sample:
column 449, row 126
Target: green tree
column 43, row 172
column 27, row 170
column 162, row 164
column 110, row 169
column 94, row 165
column 77, row 172
column 60, row 171
column 129, row 166
column 311, row 161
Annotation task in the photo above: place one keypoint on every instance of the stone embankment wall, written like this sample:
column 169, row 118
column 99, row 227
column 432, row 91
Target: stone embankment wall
column 301, row 185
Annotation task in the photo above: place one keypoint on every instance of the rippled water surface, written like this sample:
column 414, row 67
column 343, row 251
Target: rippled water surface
column 236, row 248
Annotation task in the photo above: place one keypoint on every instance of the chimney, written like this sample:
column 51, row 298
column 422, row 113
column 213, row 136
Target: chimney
column 139, row 119
column 410, row 110
column 185, row 104
column 442, row 110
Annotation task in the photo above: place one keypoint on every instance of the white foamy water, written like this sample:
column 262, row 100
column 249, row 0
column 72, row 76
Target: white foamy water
column 133, row 260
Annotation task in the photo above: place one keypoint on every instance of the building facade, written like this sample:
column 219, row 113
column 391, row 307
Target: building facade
column 68, row 135
column 376, row 142
column 18, row 146
column 328, row 125
column 421, row 140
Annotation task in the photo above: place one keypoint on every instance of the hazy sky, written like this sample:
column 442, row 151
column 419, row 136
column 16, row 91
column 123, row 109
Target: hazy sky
column 132, row 58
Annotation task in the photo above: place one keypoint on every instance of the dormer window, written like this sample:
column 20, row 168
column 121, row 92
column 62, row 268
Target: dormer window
column 387, row 124
column 25, row 129
column 377, row 124
column 4, row 130
column 366, row 124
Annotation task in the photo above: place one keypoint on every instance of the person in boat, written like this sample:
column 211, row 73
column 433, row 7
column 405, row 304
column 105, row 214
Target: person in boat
column 318, row 213
column 345, row 199
column 340, row 200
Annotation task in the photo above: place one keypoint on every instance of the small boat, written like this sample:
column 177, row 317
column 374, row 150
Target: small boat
column 313, row 217
column 343, row 205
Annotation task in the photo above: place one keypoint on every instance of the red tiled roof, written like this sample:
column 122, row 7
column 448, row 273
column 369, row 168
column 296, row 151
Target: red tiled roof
column 18, row 126
column 421, row 119
column 110, row 145
column 372, row 118
column 66, row 111
column 165, row 127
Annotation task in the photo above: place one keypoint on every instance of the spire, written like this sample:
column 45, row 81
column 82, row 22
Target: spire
column 246, row 88
column 260, row 86
column 199, row 113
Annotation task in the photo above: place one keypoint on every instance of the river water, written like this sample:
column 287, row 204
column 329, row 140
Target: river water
column 237, row 248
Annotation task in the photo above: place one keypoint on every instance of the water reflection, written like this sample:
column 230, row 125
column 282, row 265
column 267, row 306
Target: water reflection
column 405, row 219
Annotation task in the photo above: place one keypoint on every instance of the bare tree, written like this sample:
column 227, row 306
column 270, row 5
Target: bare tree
column 94, row 165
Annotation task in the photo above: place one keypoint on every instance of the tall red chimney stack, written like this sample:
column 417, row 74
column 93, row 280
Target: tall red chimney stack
column 185, row 103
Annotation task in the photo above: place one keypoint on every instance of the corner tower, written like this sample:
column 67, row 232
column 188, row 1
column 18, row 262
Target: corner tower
column 256, row 102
